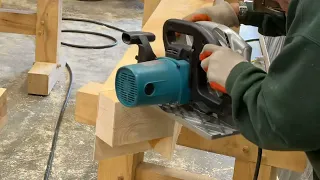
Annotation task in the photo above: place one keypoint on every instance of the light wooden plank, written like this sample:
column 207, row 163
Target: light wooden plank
column 149, row 7
column 86, row 109
column 119, row 168
column 240, row 148
column 18, row 21
column 245, row 170
column 49, row 18
column 147, row 171
column 3, row 108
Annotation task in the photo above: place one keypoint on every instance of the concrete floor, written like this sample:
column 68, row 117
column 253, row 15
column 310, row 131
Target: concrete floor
column 25, row 141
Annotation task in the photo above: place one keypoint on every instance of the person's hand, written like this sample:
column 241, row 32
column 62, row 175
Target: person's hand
column 222, row 13
column 218, row 62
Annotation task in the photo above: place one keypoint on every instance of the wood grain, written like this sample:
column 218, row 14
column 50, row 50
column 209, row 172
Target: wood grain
column 86, row 109
column 49, row 17
column 42, row 77
column 245, row 170
column 18, row 21
column 242, row 149
column 147, row 171
column 103, row 151
column 119, row 168
column 118, row 125
column 149, row 8
column 3, row 107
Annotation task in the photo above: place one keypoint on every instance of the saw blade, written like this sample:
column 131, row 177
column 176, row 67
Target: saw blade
column 209, row 126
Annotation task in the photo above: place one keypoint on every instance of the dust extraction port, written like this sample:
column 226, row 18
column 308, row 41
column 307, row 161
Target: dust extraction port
column 149, row 89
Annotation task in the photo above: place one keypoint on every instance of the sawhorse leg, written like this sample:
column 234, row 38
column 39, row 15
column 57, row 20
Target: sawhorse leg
column 119, row 168
column 3, row 107
column 245, row 170
column 47, row 68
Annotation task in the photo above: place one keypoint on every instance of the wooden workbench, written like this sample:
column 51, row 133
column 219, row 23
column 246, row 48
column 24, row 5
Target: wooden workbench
column 123, row 134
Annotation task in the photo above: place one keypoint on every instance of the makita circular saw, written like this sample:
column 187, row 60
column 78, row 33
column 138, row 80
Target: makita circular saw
column 176, row 82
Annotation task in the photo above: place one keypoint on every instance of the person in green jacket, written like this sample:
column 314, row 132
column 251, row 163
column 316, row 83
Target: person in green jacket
column 278, row 110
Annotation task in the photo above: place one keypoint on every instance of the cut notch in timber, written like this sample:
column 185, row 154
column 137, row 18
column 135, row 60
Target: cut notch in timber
column 42, row 77
column 18, row 21
column 3, row 107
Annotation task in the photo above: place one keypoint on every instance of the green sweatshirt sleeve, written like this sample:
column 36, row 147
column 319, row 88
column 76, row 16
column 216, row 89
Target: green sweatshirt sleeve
column 280, row 110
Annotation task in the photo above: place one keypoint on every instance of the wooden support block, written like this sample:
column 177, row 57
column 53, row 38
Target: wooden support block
column 118, row 125
column 18, row 21
column 42, row 77
column 49, row 17
column 3, row 107
column 146, row 171
column 87, row 103
column 240, row 148
column 245, row 170
column 119, row 168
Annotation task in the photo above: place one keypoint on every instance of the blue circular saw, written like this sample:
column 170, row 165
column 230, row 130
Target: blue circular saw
column 176, row 82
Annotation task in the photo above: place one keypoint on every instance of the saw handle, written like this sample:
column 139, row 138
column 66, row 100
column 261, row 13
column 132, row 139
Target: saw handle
column 213, row 85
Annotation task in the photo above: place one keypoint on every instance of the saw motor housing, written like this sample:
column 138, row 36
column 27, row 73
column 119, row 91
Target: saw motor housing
column 178, row 77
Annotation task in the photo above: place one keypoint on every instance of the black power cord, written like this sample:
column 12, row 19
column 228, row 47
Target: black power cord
column 115, row 42
column 58, row 123
column 259, row 157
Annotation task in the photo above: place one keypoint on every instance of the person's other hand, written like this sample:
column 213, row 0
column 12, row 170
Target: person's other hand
column 218, row 62
column 222, row 13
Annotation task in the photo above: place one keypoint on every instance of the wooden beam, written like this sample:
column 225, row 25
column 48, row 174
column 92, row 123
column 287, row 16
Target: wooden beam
column 149, row 7
column 118, row 125
column 119, row 168
column 245, row 170
column 49, row 17
column 103, row 151
column 242, row 149
column 147, row 171
column 87, row 103
column 42, row 77
column 3, row 107
column 18, row 21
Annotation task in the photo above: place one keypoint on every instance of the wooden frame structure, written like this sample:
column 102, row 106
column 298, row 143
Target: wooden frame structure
column 45, row 25
column 123, row 134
